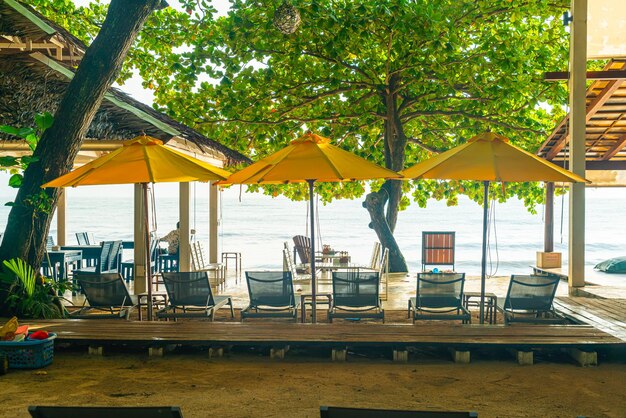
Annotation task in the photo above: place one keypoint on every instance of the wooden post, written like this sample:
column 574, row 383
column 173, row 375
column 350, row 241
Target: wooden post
column 548, row 234
column 184, row 246
column 213, row 222
column 139, row 237
column 577, row 128
column 61, row 223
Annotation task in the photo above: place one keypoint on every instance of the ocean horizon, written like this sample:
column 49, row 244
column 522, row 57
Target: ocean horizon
column 258, row 225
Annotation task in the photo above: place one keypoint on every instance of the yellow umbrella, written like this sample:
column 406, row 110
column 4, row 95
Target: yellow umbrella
column 141, row 160
column 489, row 157
column 309, row 159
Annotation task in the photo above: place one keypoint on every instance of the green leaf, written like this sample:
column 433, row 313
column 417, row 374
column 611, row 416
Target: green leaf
column 16, row 180
column 43, row 120
column 24, row 132
column 8, row 161
column 32, row 141
column 9, row 130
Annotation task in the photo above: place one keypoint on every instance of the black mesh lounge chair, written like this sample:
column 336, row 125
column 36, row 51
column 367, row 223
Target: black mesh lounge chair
column 439, row 296
column 189, row 296
column 529, row 299
column 356, row 295
column 106, row 295
column 105, row 411
column 271, row 295
column 339, row 412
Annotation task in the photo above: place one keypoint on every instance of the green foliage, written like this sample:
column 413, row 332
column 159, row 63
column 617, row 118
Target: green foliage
column 26, row 297
column 40, row 202
column 441, row 70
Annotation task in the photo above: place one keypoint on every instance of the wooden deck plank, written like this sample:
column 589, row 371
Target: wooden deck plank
column 607, row 315
column 203, row 332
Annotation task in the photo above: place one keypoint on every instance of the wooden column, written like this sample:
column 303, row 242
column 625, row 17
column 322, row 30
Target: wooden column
column 213, row 222
column 577, row 128
column 139, row 252
column 184, row 247
column 61, row 221
column 548, row 234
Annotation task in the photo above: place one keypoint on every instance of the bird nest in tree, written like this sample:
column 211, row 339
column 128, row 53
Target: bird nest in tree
column 286, row 18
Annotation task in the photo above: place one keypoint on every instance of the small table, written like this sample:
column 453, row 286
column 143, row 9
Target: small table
column 63, row 258
column 491, row 302
column 142, row 300
column 307, row 299
column 232, row 255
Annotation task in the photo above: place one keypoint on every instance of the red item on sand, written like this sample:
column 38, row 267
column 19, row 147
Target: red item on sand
column 38, row 335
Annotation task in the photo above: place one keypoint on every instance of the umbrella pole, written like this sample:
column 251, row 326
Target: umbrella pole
column 146, row 226
column 313, row 284
column 483, row 273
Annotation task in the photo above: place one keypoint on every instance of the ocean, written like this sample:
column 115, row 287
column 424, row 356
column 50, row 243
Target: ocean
column 258, row 225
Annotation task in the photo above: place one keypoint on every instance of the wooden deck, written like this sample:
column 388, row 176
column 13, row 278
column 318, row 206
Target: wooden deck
column 607, row 315
column 159, row 334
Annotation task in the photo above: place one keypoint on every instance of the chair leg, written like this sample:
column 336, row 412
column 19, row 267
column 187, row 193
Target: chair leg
column 232, row 309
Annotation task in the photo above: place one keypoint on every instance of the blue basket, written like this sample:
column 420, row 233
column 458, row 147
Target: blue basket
column 29, row 354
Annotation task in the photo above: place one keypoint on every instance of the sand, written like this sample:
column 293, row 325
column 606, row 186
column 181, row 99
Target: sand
column 246, row 383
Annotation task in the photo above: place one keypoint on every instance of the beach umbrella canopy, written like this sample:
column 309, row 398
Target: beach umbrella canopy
column 309, row 159
column 141, row 160
column 489, row 157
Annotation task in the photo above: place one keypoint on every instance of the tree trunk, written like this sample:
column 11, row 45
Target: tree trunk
column 375, row 205
column 27, row 227
column 391, row 192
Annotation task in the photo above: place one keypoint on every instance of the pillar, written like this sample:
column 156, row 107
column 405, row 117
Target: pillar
column 61, row 223
column 548, row 234
column 213, row 222
column 577, row 128
column 184, row 246
column 139, row 252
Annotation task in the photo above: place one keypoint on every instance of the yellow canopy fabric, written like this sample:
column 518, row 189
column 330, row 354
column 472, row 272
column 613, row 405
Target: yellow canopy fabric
column 140, row 160
column 311, row 157
column 490, row 157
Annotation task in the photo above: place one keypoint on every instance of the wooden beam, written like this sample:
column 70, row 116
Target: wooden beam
column 619, row 144
column 592, row 109
column 591, row 75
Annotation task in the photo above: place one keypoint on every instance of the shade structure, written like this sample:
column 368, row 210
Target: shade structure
column 310, row 158
column 141, row 160
column 489, row 157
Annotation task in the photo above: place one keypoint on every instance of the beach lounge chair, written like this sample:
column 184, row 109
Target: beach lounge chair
column 297, row 273
column 439, row 296
column 189, row 296
column 200, row 262
column 271, row 295
column 356, row 294
column 437, row 248
column 302, row 247
column 529, row 299
column 106, row 295
column 105, row 411
column 340, row 412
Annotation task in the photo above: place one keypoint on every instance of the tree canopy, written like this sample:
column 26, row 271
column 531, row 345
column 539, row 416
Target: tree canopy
column 392, row 81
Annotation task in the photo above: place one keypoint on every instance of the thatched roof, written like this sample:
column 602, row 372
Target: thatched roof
column 32, row 82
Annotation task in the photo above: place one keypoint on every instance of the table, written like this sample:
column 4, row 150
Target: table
column 307, row 299
column 90, row 252
column 491, row 303
column 155, row 296
column 232, row 255
column 64, row 258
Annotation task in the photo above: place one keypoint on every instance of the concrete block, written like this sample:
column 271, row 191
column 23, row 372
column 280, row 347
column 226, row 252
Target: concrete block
column 460, row 356
column 95, row 350
column 339, row 354
column 156, row 351
column 584, row 358
column 400, row 356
